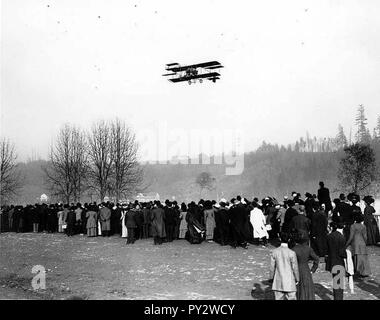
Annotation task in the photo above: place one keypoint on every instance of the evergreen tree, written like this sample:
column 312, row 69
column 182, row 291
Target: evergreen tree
column 341, row 139
column 362, row 135
column 376, row 131
column 358, row 169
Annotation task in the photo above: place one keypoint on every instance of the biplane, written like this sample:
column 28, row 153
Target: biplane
column 194, row 72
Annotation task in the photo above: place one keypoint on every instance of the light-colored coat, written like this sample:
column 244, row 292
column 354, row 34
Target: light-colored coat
column 105, row 218
column 284, row 269
column 258, row 220
column 124, row 230
column 358, row 239
column 209, row 217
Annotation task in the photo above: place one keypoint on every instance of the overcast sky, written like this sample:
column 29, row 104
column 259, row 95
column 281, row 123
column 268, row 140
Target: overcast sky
column 290, row 66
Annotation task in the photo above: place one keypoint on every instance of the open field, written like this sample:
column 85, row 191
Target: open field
column 106, row 268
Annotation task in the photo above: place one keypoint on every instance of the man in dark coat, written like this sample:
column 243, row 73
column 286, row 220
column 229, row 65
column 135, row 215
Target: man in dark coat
column 344, row 210
column 300, row 224
column 146, row 222
column 44, row 217
column 158, row 223
column 169, row 221
column 238, row 222
column 222, row 222
column 130, row 223
column 309, row 202
column 324, row 196
column 17, row 217
column 51, row 219
column 289, row 215
column 139, row 218
column 318, row 232
column 70, row 221
column 177, row 219
column 335, row 258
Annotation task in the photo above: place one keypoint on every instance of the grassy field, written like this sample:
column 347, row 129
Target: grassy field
column 106, row 268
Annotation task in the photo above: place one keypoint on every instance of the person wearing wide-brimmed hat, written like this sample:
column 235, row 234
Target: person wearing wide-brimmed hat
column 209, row 219
column 91, row 224
column 357, row 240
column 222, row 222
column 373, row 236
column 289, row 214
column 305, row 287
column 158, row 224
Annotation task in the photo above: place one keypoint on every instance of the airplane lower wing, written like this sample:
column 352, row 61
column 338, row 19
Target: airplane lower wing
column 198, row 76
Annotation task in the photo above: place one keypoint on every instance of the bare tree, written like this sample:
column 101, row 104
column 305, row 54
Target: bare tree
column 101, row 158
column 10, row 175
column 205, row 181
column 127, row 171
column 66, row 170
column 79, row 163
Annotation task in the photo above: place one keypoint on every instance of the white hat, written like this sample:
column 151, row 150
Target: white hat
column 223, row 200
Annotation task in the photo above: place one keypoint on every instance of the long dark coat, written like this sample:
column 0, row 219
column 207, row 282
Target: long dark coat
column 370, row 223
column 289, row 214
column 239, row 222
column 300, row 223
column 318, row 233
column 324, row 197
column 336, row 253
column 305, row 288
column 158, row 223
column 345, row 212
column 130, row 219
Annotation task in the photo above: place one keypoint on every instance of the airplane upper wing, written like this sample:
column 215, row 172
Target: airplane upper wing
column 214, row 64
column 198, row 76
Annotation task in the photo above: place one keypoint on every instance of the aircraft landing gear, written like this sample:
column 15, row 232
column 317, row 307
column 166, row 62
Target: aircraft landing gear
column 189, row 81
column 200, row 80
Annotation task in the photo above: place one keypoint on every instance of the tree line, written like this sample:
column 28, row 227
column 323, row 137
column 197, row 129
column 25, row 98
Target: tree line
column 103, row 162
column 331, row 144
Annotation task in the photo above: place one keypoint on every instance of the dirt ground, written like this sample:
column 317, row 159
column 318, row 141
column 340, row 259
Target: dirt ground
column 106, row 268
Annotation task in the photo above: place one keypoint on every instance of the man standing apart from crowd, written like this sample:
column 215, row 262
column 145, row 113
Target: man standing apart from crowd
column 284, row 271
column 324, row 197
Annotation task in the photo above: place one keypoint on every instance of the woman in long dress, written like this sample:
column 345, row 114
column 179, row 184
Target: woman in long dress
column 305, row 287
column 61, row 220
column 124, row 230
column 183, row 223
column 373, row 236
column 91, row 224
column 357, row 240
column 209, row 218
